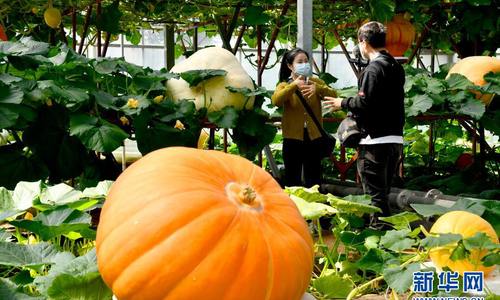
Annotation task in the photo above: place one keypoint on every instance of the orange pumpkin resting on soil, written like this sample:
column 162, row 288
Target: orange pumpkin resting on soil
column 400, row 35
column 466, row 224
column 184, row 224
column 3, row 36
column 474, row 68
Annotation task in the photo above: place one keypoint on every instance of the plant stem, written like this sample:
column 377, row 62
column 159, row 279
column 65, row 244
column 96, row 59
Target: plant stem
column 204, row 94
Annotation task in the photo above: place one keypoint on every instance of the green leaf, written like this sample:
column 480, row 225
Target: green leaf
column 376, row 260
column 252, row 122
column 480, row 241
column 458, row 82
column 333, row 286
column 397, row 240
column 427, row 210
column 311, row 194
column 86, row 287
column 16, row 166
column 346, row 206
column 82, row 265
column 491, row 259
column 66, row 156
column 382, row 10
column 110, row 19
column 32, row 256
column 472, row 107
column 225, row 118
column 363, row 240
column 26, row 193
column 313, row 211
column 255, row 15
column 328, row 78
column 459, row 253
column 479, row 2
column 441, row 240
column 10, row 97
column 179, row 110
column 9, row 291
column 102, row 189
column 195, row 77
column 457, row 97
column 60, row 194
column 401, row 220
column 492, row 297
column 417, row 104
column 468, row 205
column 50, row 224
column 401, row 278
column 97, row 134
column 105, row 100
column 6, row 200
column 362, row 199
column 250, row 145
column 248, row 92
column 7, row 78
column 492, row 85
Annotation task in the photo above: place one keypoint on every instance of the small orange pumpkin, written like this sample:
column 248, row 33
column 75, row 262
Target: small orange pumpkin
column 474, row 68
column 466, row 224
column 184, row 224
column 400, row 35
column 3, row 36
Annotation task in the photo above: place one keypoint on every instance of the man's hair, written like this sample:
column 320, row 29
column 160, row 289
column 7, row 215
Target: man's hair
column 373, row 33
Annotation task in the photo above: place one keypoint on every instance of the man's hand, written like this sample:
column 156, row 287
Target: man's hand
column 332, row 103
column 308, row 90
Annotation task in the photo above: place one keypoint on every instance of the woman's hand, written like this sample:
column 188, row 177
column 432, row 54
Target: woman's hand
column 332, row 103
column 308, row 90
column 300, row 81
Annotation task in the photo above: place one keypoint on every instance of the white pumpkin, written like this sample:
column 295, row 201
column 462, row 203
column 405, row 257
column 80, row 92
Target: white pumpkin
column 212, row 58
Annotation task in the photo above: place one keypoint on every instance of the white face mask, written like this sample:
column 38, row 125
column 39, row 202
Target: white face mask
column 303, row 69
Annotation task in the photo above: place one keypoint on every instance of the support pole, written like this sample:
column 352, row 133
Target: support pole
column 169, row 35
column 305, row 27
column 85, row 28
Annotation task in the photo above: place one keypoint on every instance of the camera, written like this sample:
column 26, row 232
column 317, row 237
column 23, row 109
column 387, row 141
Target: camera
column 358, row 59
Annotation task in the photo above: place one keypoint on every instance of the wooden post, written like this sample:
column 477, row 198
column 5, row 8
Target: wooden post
column 170, row 42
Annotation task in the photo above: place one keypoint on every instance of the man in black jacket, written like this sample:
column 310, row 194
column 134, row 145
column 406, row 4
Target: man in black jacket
column 379, row 112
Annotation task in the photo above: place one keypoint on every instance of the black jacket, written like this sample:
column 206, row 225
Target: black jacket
column 379, row 105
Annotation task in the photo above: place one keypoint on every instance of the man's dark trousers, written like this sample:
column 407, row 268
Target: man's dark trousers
column 377, row 165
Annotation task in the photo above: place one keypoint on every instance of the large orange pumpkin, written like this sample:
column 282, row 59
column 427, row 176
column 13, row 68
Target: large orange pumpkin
column 184, row 224
column 3, row 36
column 466, row 224
column 400, row 35
column 474, row 68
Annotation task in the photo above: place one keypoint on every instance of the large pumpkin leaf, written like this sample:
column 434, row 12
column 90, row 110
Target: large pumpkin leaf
column 10, row 98
column 377, row 260
column 255, row 15
column 307, row 194
column 248, row 92
column 195, row 77
column 60, row 194
column 16, row 166
column 224, row 118
column 97, row 134
column 31, row 256
column 351, row 207
column 417, row 104
column 50, row 224
column 401, row 220
column 251, row 145
column 10, row 291
column 401, row 278
column 26, row 193
column 471, row 107
column 66, row 157
column 312, row 210
column 480, row 241
column 81, row 265
column 110, row 19
column 382, row 10
column 333, row 286
column 85, row 287
column 397, row 240
column 440, row 240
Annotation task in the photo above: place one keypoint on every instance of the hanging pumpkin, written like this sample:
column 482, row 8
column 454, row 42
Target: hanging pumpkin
column 466, row 224
column 3, row 36
column 52, row 16
column 474, row 68
column 184, row 224
column 400, row 35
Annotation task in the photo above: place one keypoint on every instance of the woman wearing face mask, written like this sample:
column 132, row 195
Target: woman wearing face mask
column 299, row 129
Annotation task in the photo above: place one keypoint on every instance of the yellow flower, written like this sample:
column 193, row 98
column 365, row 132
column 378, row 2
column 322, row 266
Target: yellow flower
column 179, row 125
column 158, row 99
column 132, row 103
column 125, row 121
column 49, row 102
column 31, row 240
column 34, row 10
column 28, row 216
